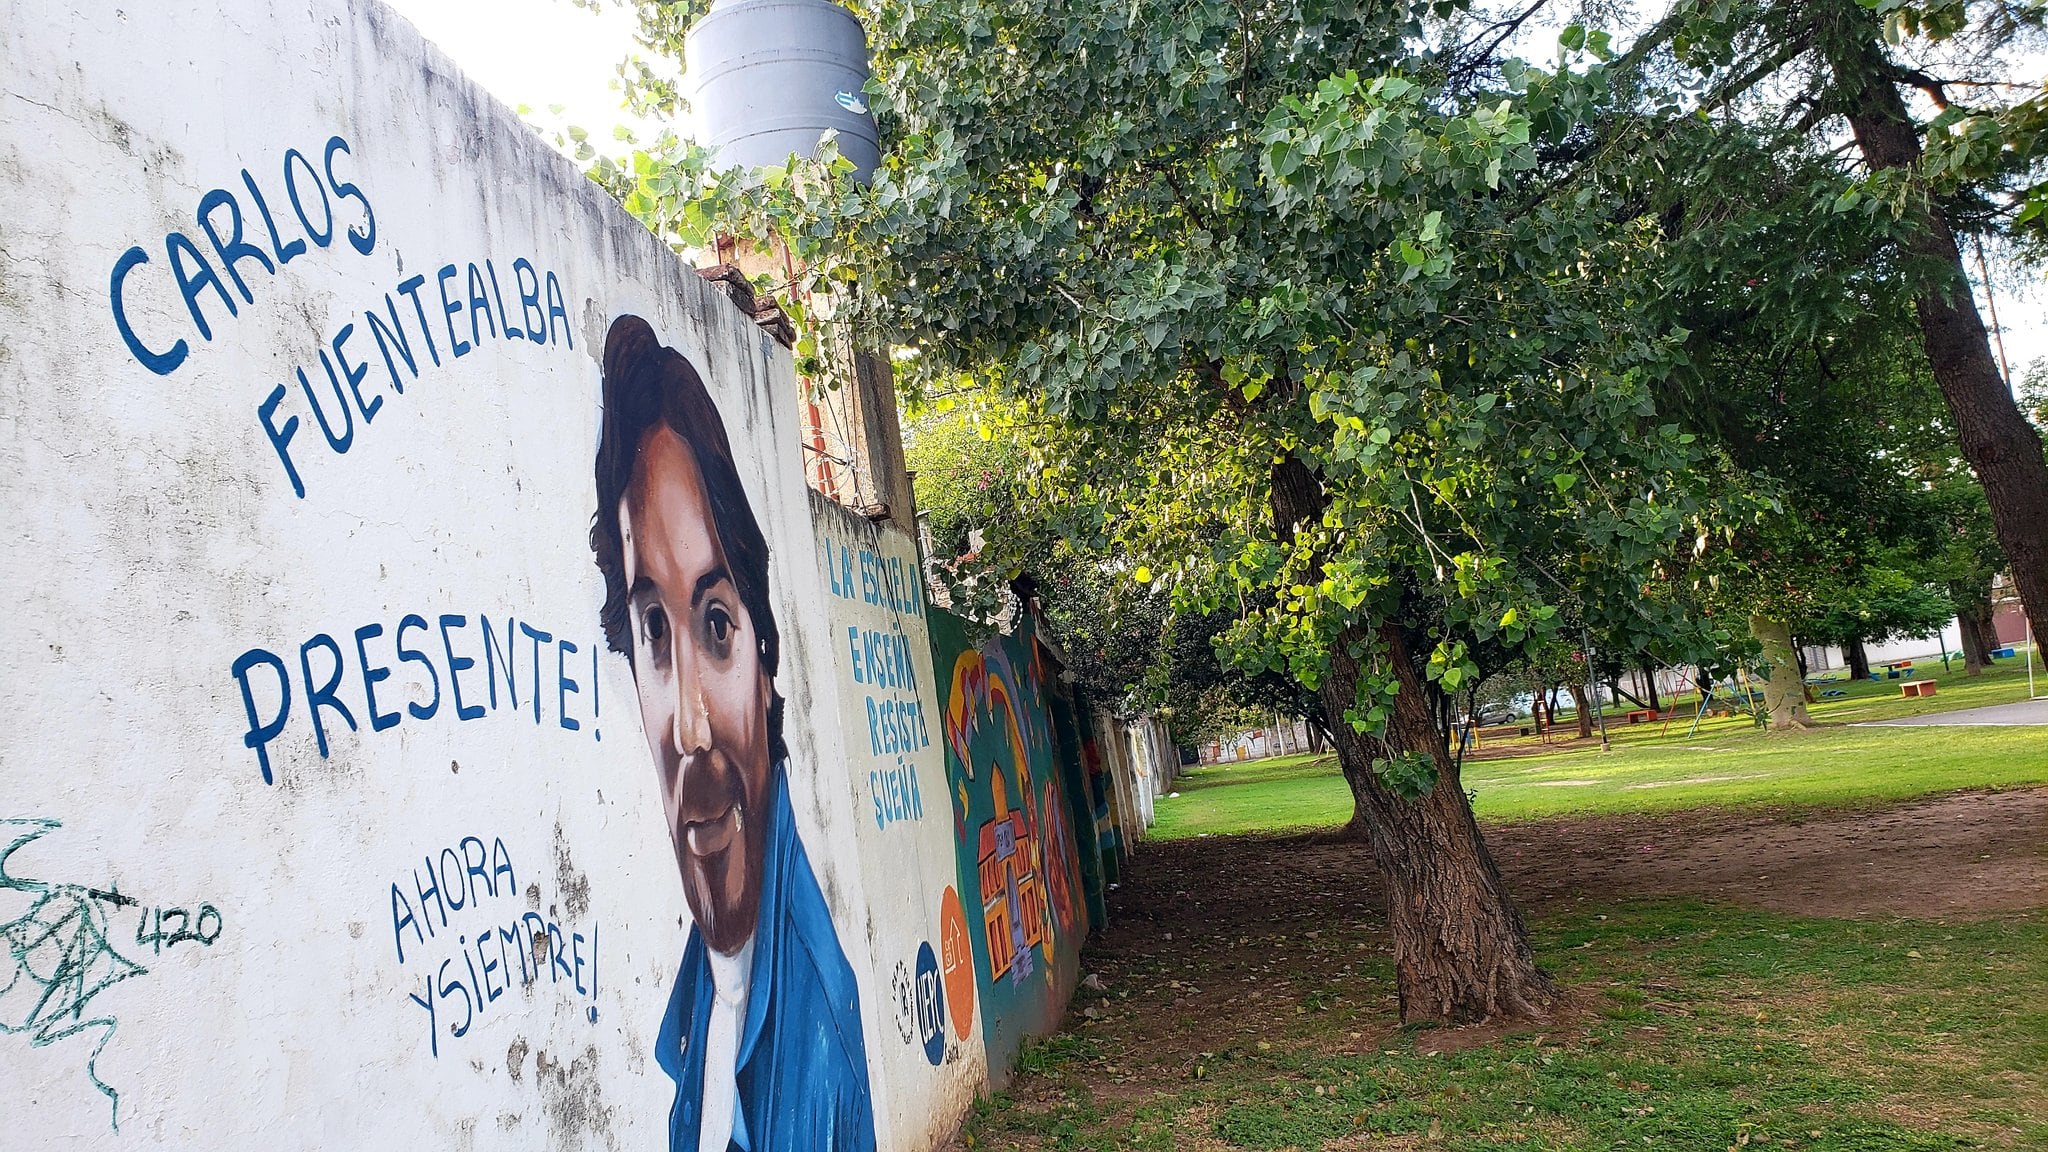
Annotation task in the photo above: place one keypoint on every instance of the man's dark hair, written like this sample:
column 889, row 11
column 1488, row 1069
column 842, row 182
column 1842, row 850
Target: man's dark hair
column 645, row 384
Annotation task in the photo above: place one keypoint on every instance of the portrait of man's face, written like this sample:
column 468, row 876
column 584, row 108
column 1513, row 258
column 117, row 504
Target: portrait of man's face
column 704, row 694
column 687, row 601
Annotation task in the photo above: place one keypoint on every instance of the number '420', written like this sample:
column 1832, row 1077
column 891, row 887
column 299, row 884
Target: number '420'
column 159, row 928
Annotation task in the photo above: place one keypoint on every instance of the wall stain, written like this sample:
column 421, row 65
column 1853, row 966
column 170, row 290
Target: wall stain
column 515, row 1058
column 572, row 1098
column 575, row 886
column 636, row 1053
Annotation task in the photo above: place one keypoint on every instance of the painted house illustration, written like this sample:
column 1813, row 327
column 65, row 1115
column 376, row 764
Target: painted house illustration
column 1014, row 912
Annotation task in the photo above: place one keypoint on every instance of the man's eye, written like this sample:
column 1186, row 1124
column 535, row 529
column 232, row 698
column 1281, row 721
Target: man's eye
column 718, row 627
column 654, row 624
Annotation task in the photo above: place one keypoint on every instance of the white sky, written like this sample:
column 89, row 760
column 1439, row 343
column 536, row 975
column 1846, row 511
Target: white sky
column 535, row 52
column 543, row 52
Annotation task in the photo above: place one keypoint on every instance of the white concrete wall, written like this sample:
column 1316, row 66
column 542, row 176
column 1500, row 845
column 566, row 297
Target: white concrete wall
column 1156, row 767
column 1162, row 759
column 244, row 962
column 1155, row 763
column 1284, row 739
column 926, row 1041
column 1920, row 649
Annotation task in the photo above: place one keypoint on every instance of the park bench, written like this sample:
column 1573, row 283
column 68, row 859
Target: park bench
column 1917, row 688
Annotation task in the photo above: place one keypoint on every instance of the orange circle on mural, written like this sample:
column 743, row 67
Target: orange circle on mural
column 956, row 962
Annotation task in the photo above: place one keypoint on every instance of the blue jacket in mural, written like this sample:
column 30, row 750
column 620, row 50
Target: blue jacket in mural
column 803, row 1080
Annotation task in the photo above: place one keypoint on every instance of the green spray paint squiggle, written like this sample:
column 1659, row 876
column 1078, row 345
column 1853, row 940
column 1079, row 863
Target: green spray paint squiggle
column 61, row 958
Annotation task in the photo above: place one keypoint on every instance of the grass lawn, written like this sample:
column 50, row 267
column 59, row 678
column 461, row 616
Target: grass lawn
column 1655, row 767
column 1707, row 1028
column 1267, row 1019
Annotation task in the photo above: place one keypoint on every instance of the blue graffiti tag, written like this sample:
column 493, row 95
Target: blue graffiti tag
column 61, row 957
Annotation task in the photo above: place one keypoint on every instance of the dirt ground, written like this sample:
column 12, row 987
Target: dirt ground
column 1964, row 855
column 1238, row 944
column 1245, row 927
column 1961, row 855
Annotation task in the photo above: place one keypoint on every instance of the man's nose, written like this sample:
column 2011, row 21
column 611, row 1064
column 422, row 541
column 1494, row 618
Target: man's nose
column 692, row 718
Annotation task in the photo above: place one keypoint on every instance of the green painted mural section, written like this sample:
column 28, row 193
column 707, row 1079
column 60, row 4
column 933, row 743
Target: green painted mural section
column 1019, row 799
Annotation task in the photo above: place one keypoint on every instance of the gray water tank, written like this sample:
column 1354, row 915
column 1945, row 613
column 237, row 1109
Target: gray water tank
column 767, row 77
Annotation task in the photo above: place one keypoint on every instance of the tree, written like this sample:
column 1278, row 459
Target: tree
column 1324, row 322
column 1122, row 639
column 1560, row 664
column 1204, row 695
column 1964, row 555
column 1973, row 165
column 971, row 487
column 1883, row 602
column 1813, row 388
column 2034, row 391
column 966, row 479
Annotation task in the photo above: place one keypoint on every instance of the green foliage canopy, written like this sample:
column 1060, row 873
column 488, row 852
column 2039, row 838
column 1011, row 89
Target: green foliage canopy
column 1214, row 240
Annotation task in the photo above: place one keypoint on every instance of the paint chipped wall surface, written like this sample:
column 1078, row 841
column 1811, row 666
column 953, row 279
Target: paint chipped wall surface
column 428, row 724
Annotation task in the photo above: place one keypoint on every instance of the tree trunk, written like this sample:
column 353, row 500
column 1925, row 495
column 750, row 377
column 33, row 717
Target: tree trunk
column 1805, row 689
column 1650, row 687
column 1976, row 653
column 1987, row 629
column 1784, row 694
column 2001, row 445
column 1585, row 710
column 1859, row 660
column 1461, row 951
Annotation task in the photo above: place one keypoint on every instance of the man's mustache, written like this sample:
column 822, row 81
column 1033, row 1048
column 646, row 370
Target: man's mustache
column 710, row 802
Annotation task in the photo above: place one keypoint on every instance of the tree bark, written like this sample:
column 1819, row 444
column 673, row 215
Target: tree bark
column 1584, row 709
column 1805, row 689
column 2001, row 446
column 1987, row 629
column 1859, row 660
column 1976, row 653
column 1461, row 951
column 1650, row 687
column 1784, row 694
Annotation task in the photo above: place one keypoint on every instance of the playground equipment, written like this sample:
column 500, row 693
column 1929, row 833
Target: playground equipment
column 1752, row 700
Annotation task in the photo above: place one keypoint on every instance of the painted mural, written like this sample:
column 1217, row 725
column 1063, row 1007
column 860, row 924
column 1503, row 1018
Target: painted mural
column 1020, row 873
column 455, row 716
column 763, row 1029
